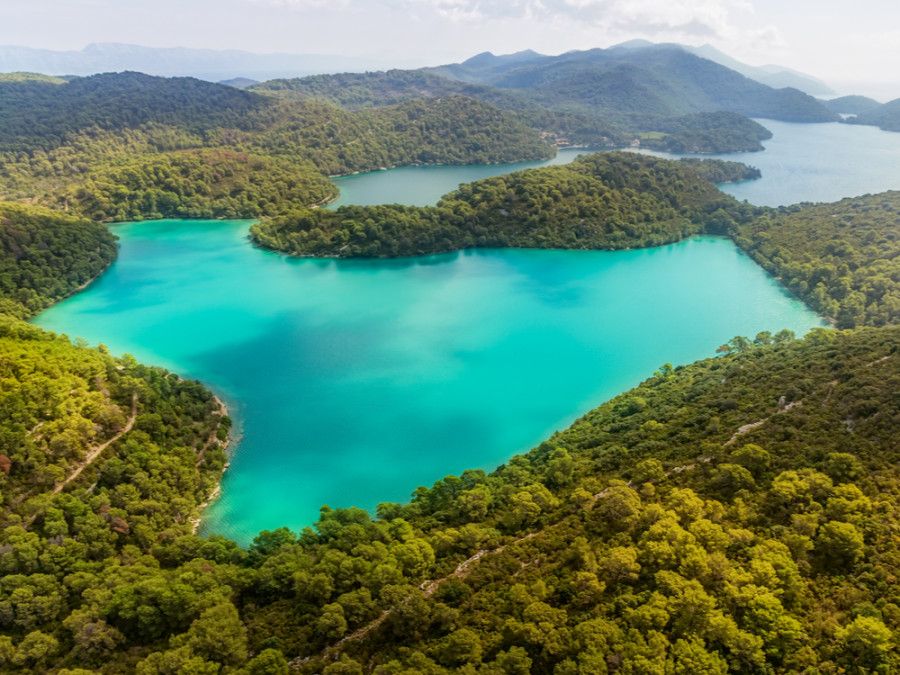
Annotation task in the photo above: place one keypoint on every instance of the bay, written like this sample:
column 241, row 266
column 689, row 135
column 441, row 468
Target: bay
column 354, row 382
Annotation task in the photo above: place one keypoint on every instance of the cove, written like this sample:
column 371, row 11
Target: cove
column 424, row 185
column 354, row 382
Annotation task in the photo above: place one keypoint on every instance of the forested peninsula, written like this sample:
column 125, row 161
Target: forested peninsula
column 600, row 201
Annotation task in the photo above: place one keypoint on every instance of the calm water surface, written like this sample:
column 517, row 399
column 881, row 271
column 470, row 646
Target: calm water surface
column 354, row 382
column 801, row 163
column 817, row 163
column 424, row 185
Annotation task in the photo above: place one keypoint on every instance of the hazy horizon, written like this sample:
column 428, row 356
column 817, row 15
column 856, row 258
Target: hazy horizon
column 331, row 63
column 853, row 51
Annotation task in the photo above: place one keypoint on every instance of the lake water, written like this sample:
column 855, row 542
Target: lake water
column 801, row 163
column 817, row 163
column 424, row 185
column 354, row 382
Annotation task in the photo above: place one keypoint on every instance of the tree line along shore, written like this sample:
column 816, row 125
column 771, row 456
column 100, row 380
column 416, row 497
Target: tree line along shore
column 733, row 515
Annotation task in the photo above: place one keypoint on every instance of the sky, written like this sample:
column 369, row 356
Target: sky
column 853, row 46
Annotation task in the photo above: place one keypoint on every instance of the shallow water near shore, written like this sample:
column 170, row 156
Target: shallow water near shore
column 354, row 382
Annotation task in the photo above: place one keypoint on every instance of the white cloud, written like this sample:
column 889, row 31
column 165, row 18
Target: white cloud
column 306, row 5
column 650, row 17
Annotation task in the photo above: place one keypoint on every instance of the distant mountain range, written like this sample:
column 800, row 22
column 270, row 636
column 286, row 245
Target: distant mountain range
column 774, row 76
column 663, row 97
column 217, row 65
column 206, row 64
column 635, row 79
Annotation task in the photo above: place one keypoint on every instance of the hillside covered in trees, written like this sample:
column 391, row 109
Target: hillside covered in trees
column 600, row 201
column 113, row 146
column 46, row 255
column 843, row 259
column 737, row 515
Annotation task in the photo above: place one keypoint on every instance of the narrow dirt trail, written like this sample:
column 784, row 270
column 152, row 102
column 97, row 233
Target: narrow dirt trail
column 97, row 451
column 428, row 587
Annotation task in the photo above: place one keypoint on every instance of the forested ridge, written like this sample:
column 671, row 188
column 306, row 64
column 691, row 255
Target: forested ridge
column 46, row 255
column 600, row 201
column 113, row 146
column 843, row 258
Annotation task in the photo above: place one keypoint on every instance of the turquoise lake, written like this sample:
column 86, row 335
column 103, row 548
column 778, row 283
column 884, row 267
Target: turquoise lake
column 354, row 382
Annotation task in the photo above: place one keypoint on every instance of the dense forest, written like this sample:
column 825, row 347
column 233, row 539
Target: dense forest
column 112, row 146
column 843, row 259
column 196, row 184
column 101, row 461
column 600, row 201
column 735, row 515
column 46, row 255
